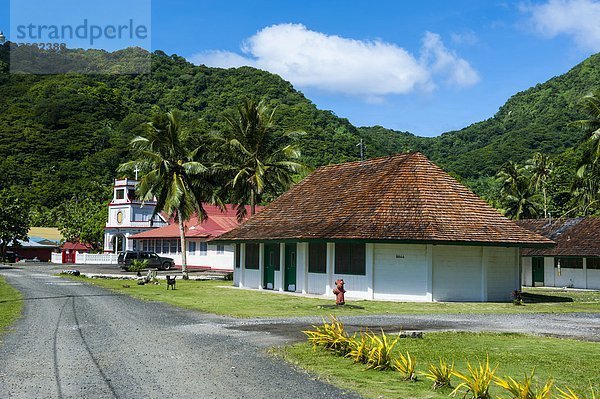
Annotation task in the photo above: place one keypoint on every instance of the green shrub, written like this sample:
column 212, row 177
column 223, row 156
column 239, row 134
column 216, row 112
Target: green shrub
column 138, row 265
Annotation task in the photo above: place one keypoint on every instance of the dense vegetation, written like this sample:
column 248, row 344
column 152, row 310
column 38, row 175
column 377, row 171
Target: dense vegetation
column 63, row 136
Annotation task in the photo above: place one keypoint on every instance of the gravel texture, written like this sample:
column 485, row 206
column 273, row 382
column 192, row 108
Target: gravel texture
column 80, row 341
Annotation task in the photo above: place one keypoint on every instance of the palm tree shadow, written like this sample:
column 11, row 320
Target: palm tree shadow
column 540, row 298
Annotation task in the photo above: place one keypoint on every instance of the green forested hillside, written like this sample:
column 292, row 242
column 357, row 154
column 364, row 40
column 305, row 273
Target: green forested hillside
column 535, row 120
column 63, row 136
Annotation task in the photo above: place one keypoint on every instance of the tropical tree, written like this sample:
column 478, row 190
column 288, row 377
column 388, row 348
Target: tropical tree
column 14, row 220
column 517, row 197
column 260, row 159
column 540, row 167
column 82, row 220
column 586, row 187
column 590, row 105
column 175, row 174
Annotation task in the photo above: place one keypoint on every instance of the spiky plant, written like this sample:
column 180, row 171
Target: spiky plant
column 331, row 336
column 405, row 365
column 476, row 383
column 568, row 393
column 380, row 354
column 525, row 389
column 440, row 375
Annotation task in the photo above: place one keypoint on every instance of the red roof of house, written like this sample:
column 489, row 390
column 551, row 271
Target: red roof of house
column 76, row 246
column 573, row 236
column 402, row 198
column 217, row 223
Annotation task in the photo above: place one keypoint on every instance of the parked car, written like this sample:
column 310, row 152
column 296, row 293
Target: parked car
column 160, row 262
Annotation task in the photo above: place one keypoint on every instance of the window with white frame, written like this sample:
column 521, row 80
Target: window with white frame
column 191, row 247
column 220, row 249
column 203, row 248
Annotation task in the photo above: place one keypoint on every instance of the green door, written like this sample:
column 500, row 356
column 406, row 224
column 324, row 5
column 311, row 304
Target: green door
column 289, row 277
column 537, row 268
column 271, row 258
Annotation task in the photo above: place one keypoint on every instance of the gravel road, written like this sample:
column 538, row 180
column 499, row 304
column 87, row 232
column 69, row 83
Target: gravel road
column 80, row 341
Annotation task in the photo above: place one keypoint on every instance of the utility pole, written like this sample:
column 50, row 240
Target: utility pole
column 362, row 149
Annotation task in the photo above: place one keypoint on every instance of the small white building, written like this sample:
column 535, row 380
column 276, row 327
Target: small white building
column 128, row 216
column 201, row 253
column 575, row 260
column 394, row 228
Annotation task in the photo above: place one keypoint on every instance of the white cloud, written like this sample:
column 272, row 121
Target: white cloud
column 467, row 38
column 445, row 62
column 370, row 68
column 578, row 19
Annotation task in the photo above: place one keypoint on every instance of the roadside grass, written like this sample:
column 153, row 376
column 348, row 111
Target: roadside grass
column 10, row 305
column 569, row 362
column 214, row 297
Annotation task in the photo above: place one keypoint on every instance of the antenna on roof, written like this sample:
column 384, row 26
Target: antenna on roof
column 362, row 149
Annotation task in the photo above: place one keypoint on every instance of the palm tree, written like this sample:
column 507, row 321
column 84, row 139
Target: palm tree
column 586, row 188
column 259, row 160
column 517, row 196
column 540, row 167
column 175, row 177
column 590, row 105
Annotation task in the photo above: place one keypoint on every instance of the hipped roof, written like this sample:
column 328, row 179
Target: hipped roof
column 573, row 236
column 218, row 222
column 404, row 197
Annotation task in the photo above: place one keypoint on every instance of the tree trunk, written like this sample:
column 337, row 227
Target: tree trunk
column 183, row 247
column 545, row 204
column 252, row 202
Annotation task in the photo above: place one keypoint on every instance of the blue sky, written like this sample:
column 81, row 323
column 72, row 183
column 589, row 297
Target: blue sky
column 422, row 66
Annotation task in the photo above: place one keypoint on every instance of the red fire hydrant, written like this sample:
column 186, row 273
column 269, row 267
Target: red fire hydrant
column 339, row 292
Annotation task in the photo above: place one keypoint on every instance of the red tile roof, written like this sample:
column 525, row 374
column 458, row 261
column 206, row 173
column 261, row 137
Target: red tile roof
column 403, row 197
column 217, row 223
column 75, row 246
column 573, row 236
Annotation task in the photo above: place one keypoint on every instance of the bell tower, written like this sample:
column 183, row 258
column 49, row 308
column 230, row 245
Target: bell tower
column 127, row 216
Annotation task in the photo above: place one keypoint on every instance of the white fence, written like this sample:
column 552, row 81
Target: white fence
column 83, row 258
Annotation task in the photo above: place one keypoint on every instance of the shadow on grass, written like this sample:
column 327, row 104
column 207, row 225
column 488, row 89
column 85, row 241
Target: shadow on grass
column 346, row 306
column 540, row 298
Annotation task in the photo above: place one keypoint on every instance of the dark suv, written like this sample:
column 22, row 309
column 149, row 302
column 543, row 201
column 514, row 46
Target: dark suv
column 153, row 259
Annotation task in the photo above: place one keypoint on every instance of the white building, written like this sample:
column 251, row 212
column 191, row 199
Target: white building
column 201, row 253
column 394, row 228
column 128, row 216
column 574, row 261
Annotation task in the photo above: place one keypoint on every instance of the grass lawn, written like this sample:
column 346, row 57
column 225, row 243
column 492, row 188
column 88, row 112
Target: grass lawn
column 213, row 297
column 10, row 305
column 568, row 362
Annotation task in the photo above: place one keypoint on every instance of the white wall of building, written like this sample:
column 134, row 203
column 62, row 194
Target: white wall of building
column 593, row 279
column 526, row 271
column 567, row 277
column 409, row 272
column 457, row 273
column 401, row 272
column 502, row 267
